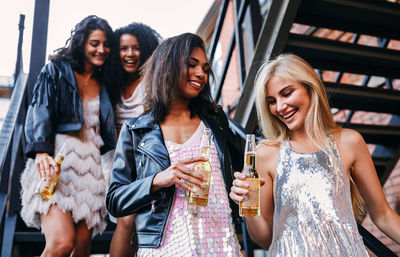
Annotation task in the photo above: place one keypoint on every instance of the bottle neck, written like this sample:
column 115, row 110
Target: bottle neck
column 204, row 151
column 250, row 165
column 59, row 159
column 252, row 173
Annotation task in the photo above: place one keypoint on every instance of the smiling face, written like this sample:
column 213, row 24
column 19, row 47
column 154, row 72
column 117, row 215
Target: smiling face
column 197, row 75
column 289, row 101
column 97, row 49
column 129, row 52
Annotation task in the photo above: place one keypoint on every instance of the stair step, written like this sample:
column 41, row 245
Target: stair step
column 377, row 134
column 371, row 17
column 380, row 164
column 33, row 242
column 334, row 55
column 343, row 96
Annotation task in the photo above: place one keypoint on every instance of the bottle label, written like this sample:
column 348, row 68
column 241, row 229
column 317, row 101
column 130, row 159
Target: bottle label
column 252, row 199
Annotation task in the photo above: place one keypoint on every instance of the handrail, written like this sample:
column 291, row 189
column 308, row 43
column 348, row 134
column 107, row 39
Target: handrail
column 11, row 162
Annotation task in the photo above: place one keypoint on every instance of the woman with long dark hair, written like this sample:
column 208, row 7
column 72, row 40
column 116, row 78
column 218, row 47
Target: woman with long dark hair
column 70, row 106
column 156, row 152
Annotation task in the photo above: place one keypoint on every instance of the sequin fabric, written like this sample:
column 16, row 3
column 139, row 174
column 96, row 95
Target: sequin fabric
column 313, row 212
column 198, row 231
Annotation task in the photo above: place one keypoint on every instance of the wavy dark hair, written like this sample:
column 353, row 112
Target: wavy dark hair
column 74, row 49
column 162, row 74
column 116, row 79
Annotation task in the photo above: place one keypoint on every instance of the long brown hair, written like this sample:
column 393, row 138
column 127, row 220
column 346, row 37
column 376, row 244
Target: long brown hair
column 164, row 70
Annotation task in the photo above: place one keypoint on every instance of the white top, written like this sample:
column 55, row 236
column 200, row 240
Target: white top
column 130, row 107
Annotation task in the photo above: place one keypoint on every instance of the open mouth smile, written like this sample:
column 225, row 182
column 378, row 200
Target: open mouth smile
column 195, row 84
column 289, row 115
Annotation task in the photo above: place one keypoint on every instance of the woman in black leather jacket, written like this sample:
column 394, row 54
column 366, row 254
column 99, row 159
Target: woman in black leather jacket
column 155, row 154
column 70, row 107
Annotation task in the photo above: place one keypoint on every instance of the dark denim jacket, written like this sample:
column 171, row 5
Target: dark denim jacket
column 56, row 107
column 140, row 154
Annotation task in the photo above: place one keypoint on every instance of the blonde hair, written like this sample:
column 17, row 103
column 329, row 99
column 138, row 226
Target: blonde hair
column 319, row 120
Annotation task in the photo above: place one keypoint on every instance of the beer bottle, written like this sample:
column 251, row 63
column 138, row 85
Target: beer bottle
column 199, row 196
column 251, row 205
column 45, row 188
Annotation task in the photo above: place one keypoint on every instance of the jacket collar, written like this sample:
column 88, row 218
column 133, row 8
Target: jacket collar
column 152, row 141
column 66, row 71
column 144, row 121
column 154, row 136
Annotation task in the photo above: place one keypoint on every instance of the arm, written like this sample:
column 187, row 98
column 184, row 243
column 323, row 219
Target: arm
column 127, row 193
column 39, row 123
column 260, row 228
column 364, row 175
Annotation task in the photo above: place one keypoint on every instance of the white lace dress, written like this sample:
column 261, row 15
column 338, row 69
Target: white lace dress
column 81, row 187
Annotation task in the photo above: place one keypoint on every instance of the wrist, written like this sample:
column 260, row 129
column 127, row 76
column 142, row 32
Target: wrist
column 155, row 185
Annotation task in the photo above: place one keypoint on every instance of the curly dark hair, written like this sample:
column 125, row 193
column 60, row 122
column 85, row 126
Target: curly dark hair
column 162, row 74
column 116, row 79
column 74, row 49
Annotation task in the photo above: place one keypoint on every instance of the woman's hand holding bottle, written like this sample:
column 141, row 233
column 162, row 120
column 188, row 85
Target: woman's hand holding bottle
column 47, row 166
column 179, row 174
column 239, row 188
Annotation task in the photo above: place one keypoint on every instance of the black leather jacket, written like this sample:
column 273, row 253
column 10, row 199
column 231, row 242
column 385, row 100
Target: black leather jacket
column 56, row 107
column 140, row 154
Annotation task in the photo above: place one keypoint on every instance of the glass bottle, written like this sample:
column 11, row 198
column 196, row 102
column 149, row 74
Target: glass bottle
column 251, row 205
column 199, row 196
column 46, row 188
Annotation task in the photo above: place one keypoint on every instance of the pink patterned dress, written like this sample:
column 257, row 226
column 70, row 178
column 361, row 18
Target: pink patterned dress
column 194, row 230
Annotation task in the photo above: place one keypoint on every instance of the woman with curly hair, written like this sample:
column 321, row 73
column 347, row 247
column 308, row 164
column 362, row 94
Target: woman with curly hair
column 70, row 106
column 134, row 45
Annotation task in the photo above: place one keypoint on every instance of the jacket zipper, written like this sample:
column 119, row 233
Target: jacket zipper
column 153, row 209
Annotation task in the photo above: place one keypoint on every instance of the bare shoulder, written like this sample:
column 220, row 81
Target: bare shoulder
column 349, row 139
column 350, row 144
column 267, row 157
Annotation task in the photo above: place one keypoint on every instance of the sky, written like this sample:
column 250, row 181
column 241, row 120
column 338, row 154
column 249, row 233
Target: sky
column 167, row 17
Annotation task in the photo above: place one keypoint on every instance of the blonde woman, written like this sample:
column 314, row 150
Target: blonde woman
column 308, row 165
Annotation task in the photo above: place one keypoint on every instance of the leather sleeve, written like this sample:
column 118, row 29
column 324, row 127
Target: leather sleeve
column 39, row 123
column 127, row 194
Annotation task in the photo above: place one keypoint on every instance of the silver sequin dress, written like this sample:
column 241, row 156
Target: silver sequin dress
column 313, row 212
column 81, row 187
